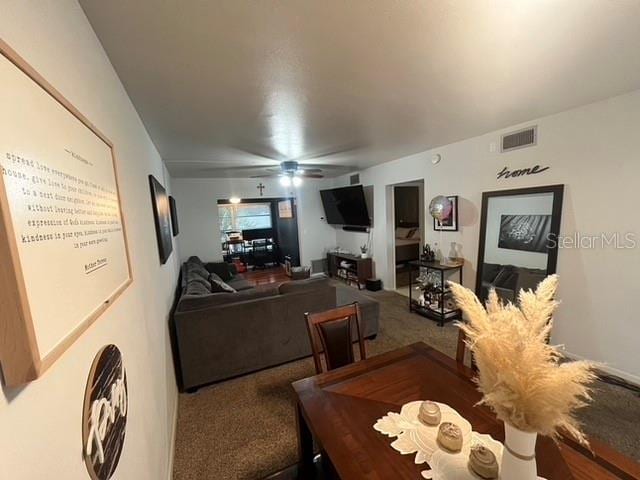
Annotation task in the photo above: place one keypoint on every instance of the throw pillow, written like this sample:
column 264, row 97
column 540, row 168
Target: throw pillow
column 217, row 285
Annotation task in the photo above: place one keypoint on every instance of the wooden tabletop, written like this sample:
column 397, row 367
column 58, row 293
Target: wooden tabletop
column 339, row 408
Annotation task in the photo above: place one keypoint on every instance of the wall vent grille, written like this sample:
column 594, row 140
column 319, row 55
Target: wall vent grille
column 526, row 137
column 354, row 179
column 319, row 266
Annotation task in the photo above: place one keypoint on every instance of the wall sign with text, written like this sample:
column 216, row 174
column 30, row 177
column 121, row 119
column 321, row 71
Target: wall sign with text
column 520, row 172
column 104, row 418
column 62, row 240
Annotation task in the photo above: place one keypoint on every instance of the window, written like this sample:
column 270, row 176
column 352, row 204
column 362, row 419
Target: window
column 243, row 216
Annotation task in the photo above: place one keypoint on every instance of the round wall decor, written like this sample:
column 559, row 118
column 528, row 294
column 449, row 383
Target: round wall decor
column 104, row 418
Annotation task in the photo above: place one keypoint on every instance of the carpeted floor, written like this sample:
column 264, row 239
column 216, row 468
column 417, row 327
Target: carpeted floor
column 245, row 429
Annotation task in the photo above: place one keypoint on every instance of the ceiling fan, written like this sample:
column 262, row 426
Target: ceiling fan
column 291, row 173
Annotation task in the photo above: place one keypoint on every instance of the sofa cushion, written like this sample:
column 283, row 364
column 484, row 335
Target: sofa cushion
column 490, row 271
column 198, row 279
column 198, row 302
column 528, row 278
column 197, row 269
column 506, row 278
column 218, row 286
column 238, row 283
column 222, row 269
column 196, row 288
column 369, row 308
column 304, row 285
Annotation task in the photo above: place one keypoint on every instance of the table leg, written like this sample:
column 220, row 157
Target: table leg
column 442, row 287
column 305, row 446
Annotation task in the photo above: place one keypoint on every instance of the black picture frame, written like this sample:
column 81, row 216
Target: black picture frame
column 556, row 217
column 451, row 223
column 175, row 226
column 162, row 218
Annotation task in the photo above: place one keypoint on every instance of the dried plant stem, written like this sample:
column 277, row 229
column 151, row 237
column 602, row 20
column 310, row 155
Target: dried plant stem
column 520, row 375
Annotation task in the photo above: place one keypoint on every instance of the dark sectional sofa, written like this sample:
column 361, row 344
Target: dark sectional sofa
column 220, row 334
column 508, row 280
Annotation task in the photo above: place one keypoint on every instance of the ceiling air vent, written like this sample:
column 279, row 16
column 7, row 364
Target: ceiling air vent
column 354, row 179
column 520, row 139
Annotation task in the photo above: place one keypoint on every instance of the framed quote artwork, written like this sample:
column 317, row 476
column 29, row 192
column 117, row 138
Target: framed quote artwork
column 284, row 209
column 62, row 235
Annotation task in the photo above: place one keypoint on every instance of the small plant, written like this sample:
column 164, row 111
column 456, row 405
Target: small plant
column 363, row 249
column 520, row 374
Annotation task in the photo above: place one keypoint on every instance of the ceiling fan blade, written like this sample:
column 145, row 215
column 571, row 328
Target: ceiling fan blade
column 336, row 151
column 271, row 175
column 260, row 152
column 311, row 175
column 310, row 170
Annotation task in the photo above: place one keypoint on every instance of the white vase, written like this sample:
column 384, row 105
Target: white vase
column 519, row 455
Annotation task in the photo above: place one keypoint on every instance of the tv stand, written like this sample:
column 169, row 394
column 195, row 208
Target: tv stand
column 360, row 271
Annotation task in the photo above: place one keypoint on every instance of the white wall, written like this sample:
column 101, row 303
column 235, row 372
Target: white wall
column 197, row 201
column 593, row 150
column 41, row 428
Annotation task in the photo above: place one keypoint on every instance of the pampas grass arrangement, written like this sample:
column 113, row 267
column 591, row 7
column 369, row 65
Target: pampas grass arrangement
column 520, row 375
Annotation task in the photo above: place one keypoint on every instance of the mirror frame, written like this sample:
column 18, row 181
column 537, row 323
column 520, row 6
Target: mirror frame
column 556, row 217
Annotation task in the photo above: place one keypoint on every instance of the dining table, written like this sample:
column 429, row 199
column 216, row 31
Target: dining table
column 336, row 411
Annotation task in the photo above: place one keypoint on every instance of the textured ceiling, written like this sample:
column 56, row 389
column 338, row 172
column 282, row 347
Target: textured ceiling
column 231, row 83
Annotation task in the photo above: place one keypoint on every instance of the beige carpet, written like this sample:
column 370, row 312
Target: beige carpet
column 245, row 429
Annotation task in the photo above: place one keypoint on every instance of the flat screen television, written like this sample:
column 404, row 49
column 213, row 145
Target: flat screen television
column 346, row 206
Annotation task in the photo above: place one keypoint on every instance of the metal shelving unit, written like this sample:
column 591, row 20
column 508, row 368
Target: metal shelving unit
column 432, row 303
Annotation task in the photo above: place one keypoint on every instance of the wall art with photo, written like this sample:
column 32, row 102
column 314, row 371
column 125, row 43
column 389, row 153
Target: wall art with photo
column 525, row 232
column 175, row 227
column 162, row 217
column 449, row 224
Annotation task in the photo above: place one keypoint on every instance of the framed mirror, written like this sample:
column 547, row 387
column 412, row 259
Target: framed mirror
column 518, row 239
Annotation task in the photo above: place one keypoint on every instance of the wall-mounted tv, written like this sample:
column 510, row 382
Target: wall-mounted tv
column 346, row 206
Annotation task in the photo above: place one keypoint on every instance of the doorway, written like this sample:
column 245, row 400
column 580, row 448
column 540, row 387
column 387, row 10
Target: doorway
column 408, row 230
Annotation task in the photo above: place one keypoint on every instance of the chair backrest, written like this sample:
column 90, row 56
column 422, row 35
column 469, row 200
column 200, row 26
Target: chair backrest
column 461, row 350
column 331, row 332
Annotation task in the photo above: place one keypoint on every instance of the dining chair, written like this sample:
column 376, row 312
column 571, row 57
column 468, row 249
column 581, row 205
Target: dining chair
column 461, row 350
column 330, row 332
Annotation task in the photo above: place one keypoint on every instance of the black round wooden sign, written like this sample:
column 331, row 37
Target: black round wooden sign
column 104, row 418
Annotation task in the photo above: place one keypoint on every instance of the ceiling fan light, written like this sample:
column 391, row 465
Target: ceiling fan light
column 297, row 181
column 285, row 181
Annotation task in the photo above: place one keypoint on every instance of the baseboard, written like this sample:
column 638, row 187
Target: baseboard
column 172, row 443
column 634, row 379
